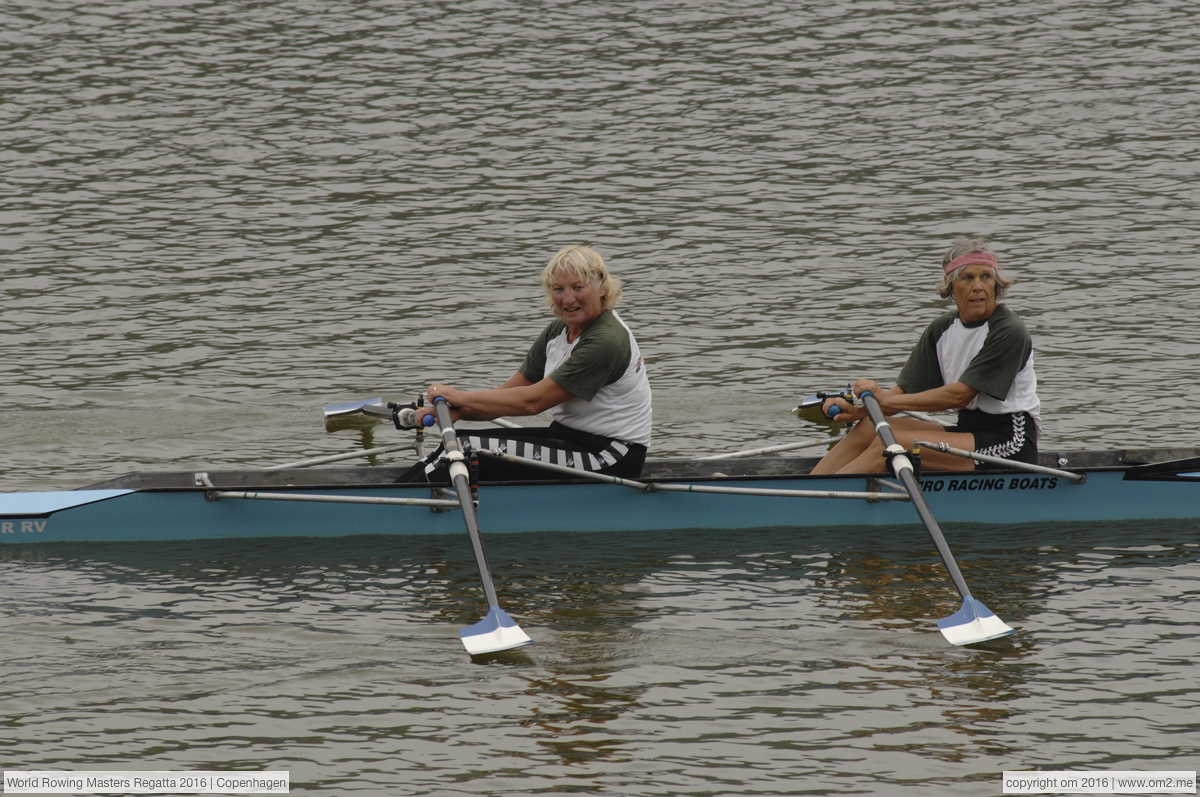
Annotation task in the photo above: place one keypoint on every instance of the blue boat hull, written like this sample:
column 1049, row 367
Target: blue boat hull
column 976, row 499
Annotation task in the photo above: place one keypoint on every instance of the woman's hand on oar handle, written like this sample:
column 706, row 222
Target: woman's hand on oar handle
column 438, row 390
column 842, row 410
column 837, row 409
column 427, row 416
column 868, row 386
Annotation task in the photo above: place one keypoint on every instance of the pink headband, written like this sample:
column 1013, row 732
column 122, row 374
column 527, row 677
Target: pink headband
column 972, row 259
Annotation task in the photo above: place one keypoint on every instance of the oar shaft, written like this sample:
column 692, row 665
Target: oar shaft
column 666, row 487
column 370, row 452
column 770, row 492
column 945, row 448
column 217, row 495
column 460, row 475
column 751, row 452
column 903, row 470
column 920, row 416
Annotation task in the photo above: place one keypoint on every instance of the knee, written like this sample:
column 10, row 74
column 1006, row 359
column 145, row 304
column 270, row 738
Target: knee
column 862, row 431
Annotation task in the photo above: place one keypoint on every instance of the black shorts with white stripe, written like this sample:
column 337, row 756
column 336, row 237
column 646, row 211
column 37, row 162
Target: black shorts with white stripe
column 556, row 444
column 1011, row 436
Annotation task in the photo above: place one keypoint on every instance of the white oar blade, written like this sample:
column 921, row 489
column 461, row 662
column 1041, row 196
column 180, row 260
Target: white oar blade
column 332, row 410
column 973, row 623
column 493, row 633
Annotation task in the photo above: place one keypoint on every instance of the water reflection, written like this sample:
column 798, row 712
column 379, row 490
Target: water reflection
column 803, row 645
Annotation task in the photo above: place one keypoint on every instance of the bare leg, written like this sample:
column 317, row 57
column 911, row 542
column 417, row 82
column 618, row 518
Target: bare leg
column 863, row 450
column 848, row 449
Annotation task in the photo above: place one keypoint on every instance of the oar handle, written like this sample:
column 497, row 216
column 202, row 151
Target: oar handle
column 408, row 418
column 441, row 406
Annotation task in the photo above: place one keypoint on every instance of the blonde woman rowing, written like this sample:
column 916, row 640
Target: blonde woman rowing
column 585, row 367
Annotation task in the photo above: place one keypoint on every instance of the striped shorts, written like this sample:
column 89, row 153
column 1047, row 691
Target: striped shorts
column 556, row 444
column 1011, row 436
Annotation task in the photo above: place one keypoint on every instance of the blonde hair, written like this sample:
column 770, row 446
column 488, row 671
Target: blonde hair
column 585, row 263
column 966, row 246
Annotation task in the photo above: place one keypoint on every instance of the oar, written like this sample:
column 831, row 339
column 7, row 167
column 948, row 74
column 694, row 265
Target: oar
column 497, row 631
column 753, row 452
column 370, row 452
column 665, row 487
column 946, row 448
column 974, row 622
column 379, row 409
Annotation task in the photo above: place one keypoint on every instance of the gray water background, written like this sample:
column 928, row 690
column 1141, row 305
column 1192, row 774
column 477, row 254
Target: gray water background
column 218, row 217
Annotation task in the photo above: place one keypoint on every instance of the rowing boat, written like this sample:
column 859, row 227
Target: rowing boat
column 734, row 494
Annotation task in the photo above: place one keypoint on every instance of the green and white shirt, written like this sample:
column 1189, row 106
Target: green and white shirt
column 994, row 356
column 605, row 372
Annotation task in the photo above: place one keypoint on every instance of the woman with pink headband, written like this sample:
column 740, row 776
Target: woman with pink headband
column 977, row 359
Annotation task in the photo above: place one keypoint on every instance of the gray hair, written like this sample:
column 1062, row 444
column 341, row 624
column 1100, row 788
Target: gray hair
column 966, row 246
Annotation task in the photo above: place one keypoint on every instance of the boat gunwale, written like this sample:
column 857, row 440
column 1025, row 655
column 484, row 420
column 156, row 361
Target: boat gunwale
column 757, row 469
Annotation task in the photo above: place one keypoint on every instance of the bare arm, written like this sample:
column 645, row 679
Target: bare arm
column 893, row 400
column 954, row 396
column 517, row 396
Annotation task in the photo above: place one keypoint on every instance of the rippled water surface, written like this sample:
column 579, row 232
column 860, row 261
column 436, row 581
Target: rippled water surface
column 778, row 663
column 218, row 217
